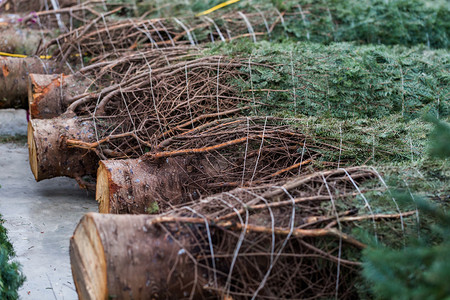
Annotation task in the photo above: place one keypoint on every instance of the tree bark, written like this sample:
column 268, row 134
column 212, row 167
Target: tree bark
column 13, row 79
column 134, row 186
column 19, row 40
column 126, row 257
column 49, row 155
column 50, row 95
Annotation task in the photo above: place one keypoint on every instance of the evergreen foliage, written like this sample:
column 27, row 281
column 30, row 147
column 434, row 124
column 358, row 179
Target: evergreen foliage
column 11, row 277
column 344, row 80
column 402, row 22
column 383, row 141
column 420, row 270
column 393, row 22
column 440, row 139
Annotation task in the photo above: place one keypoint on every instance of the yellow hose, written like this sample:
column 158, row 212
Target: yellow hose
column 22, row 56
column 223, row 4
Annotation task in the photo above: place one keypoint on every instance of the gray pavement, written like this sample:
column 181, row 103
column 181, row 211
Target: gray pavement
column 13, row 122
column 40, row 218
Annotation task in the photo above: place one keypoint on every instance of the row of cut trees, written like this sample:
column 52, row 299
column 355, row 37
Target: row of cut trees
column 225, row 196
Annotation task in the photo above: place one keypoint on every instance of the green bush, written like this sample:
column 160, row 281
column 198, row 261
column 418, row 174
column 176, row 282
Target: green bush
column 415, row 272
column 11, row 277
column 422, row 269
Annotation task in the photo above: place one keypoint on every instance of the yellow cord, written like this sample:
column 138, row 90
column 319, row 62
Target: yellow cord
column 223, row 4
column 23, row 56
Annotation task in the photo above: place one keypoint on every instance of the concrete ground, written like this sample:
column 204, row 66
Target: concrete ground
column 13, row 122
column 40, row 218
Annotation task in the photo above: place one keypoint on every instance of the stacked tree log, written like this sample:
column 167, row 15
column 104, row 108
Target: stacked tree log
column 245, row 243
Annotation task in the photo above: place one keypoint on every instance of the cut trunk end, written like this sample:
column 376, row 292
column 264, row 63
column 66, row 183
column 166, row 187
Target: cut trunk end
column 127, row 257
column 88, row 261
column 32, row 153
column 50, row 95
column 49, row 154
column 44, row 96
column 102, row 188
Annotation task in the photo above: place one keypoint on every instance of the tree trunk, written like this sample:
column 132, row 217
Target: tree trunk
column 49, row 155
column 20, row 40
column 126, row 257
column 50, row 95
column 134, row 186
column 13, row 79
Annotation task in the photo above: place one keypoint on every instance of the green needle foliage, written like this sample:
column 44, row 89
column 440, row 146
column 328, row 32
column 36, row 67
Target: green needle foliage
column 440, row 139
column 11, row 277
column 378, row 142
column 343, row 80
column 422, row 269
column 391, row 22
column 415, row 272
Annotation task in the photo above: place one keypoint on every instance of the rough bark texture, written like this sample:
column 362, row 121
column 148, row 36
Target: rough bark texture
column 126, row 257
column 49, row 155
column 13, row 79
column 18, row 40
column 49, row 95
column 137, row 187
